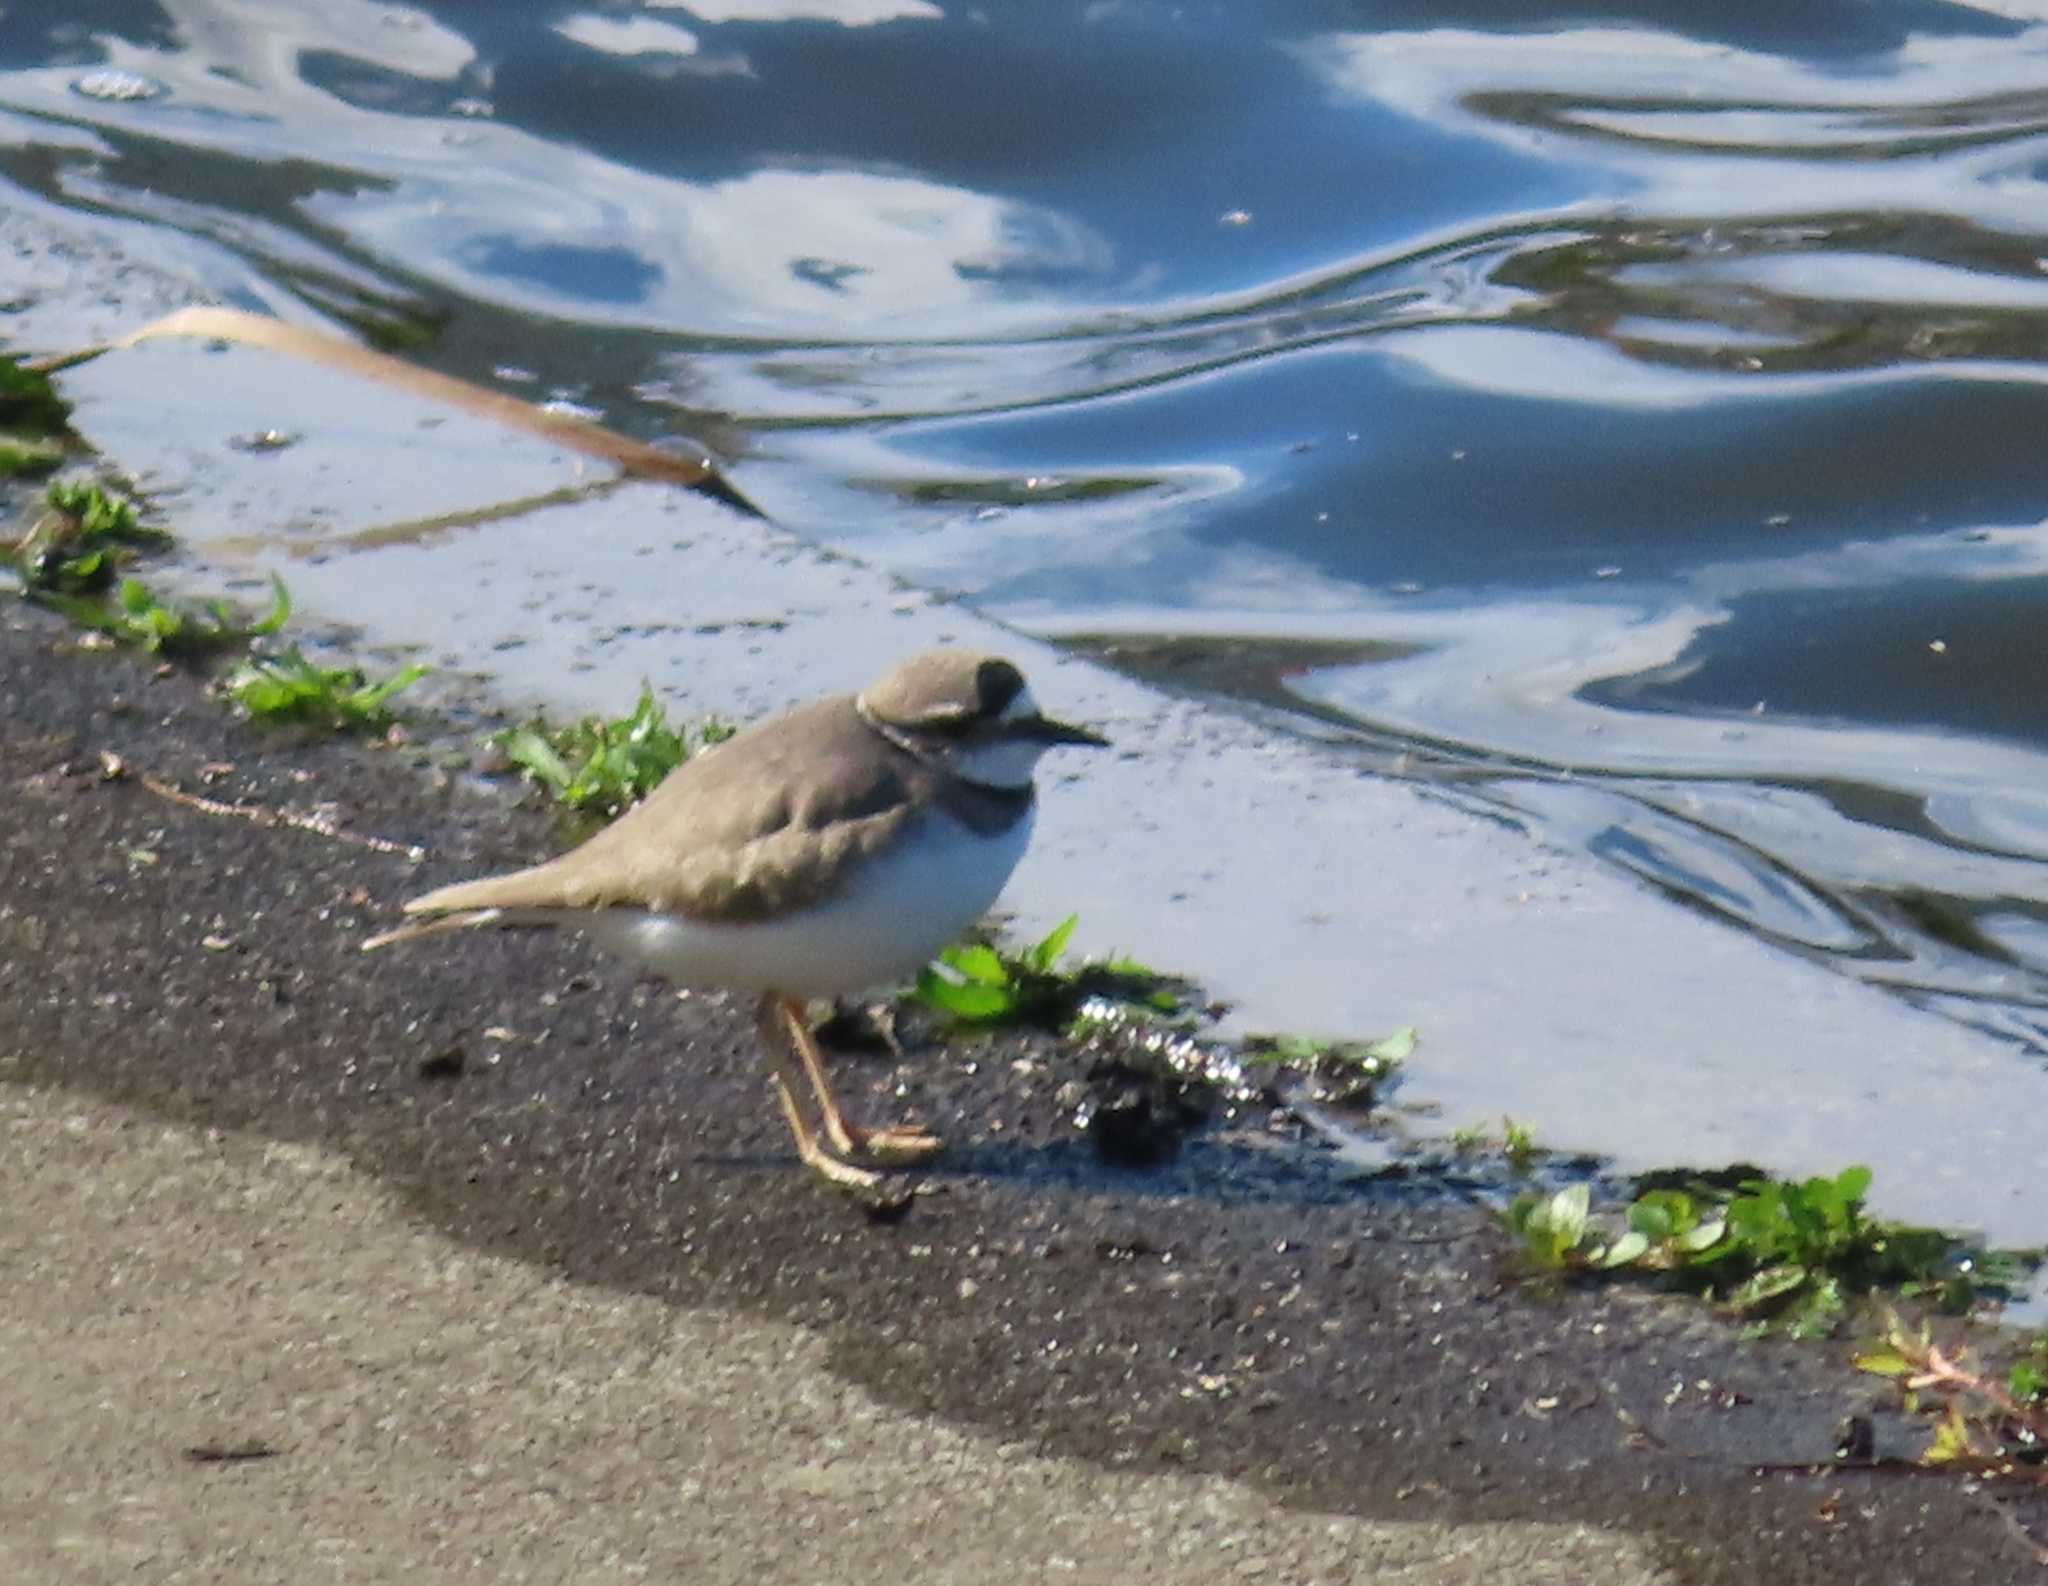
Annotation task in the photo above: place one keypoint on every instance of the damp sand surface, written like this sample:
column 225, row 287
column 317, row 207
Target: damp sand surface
column 492, row 1255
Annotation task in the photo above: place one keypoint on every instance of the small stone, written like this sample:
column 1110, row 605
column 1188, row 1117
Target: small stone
column 116, row 86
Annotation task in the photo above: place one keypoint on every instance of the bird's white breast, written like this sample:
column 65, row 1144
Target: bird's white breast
column 894, row 912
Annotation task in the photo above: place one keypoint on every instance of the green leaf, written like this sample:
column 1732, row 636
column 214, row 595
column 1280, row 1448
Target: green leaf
column 272, row 620
column 1531, row 1219
column 371, row 700
column 1045, row 953
column 977, row 963
column 526, row 748
column 971, row 1002
column 1951, row 1440
column 1630, row 1247
column 1852, row 1183
column 1569, row 1208
column 1282, row 1050
column 1704, row 1237
column 1663, row 1214
column 606, row 765
column 1770, row 1284
column 1395, row 1048
column 1036, row 989
column 288, row 686
column 1816, row 1312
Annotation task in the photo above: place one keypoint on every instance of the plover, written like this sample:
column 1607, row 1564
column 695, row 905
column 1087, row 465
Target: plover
column 828, row 850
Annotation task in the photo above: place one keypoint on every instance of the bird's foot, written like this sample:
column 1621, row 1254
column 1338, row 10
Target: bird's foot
column 885, row 1196
column 898, row 1145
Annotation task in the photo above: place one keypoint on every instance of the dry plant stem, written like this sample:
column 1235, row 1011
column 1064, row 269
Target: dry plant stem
column 1980, row 1418
column 1948, row 1376
column 347, row 357
column 898, row 1144
column 262, row 816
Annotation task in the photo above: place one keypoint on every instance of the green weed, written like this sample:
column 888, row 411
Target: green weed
column 1518, row 1145
column 71, row 554
column 1775, row 1252
column 1335, row 1073
column 288, row 687
column 29, row 405
column 1984, row 1427
column 136, row 617
column 1554, row 1231
column 979, row 982
column 25, row 458
column 604, row 765
column 2027, row 1378
column 1516, row 1142
column 82, row 535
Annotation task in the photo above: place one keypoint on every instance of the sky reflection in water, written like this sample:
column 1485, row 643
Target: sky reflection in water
column 1666, row 392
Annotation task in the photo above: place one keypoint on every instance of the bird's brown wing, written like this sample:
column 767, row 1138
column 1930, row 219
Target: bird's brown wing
column 769, row 820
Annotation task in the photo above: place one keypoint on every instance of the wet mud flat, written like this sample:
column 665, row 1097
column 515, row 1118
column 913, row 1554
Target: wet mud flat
column 1242, row 1311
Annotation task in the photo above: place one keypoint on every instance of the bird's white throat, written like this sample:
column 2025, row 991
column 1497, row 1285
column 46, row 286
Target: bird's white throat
column 1006, row 763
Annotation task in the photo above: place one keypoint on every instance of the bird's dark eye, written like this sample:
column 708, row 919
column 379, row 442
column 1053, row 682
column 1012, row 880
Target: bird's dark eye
column 996, row 683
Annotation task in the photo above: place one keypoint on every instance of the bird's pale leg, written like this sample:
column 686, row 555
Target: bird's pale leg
column 814, row 1156
column 768, row 1020
column 899, row 1143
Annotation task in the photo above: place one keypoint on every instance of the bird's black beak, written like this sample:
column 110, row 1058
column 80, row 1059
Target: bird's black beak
column 1045, row 730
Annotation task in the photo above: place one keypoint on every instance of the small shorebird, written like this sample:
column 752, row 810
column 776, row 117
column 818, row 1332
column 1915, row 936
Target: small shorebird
column 831, row 849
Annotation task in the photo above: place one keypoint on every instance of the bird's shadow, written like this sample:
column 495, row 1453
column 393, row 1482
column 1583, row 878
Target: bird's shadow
column 1211, row 1168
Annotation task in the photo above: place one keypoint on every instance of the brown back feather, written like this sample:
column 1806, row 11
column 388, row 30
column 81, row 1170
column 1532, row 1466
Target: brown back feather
column 761, row 823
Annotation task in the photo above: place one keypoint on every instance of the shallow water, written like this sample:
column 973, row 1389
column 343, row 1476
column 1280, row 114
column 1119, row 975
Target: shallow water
column 1631, row 418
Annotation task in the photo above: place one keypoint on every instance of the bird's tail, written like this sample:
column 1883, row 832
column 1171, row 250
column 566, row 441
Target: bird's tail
column 460, row 920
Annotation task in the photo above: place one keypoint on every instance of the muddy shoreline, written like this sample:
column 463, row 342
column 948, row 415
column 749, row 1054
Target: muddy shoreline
column 1242, row 1311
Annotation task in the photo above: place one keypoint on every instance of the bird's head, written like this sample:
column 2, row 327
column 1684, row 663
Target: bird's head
column 973, row 711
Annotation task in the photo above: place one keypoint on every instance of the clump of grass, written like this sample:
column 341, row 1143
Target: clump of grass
column 2027, row 1378
column 981, row 983
column 24, row 457
column 35, row 423
column 1518, row 1145
column 135, row 616
column 29, row 404
column 1775, row 1252
column 1516, row 1142
column 82, row 535
column 607, row 765
column 289, row 688
column 1351, row 1074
